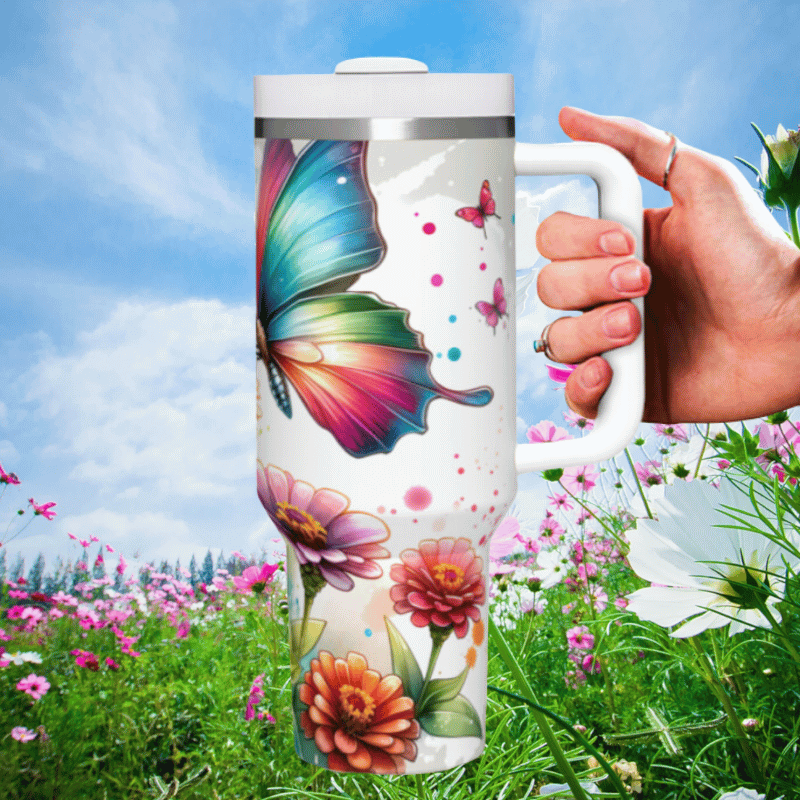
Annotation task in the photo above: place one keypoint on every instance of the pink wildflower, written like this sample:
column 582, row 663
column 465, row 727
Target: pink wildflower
column 255, row 579
column 560, row 501
column 86, row 659
column 8, row 477
column 579, row 638
column 43, row 510
column 17, row 594
column 580, row 479
column 256, row 696
column 576, row 421
column 561, row 374
column 590, row 664
column 551, row 531
column 34, row 685
column 675, row 433
column 648, row 472
column 22, row 734
column 546, row 431
column 112, row 664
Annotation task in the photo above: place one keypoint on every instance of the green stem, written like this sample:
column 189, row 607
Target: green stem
column 702, row 450
column 707, row 671
column 439, row 637
column 575, row 735
column 638, row 483
column 791, row 211
column 419, row 784
column 541, row 720
column 779, row 629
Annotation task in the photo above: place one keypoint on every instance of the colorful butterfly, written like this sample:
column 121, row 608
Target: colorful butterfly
column 485, row 208
column 361, row 372
column 493, row 311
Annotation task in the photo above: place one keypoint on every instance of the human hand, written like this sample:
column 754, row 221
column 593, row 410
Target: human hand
column 722, row 315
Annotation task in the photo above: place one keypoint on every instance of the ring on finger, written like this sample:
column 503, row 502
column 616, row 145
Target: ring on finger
column 670, row 158
column 542, row 344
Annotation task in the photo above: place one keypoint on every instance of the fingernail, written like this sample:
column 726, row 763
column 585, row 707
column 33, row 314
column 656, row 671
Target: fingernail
column 627, row 277
column 615, row 243
column 616, row 323
column 591, row 376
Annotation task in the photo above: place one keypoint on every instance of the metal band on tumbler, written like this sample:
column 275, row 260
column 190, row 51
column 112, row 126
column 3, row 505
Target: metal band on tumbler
column 366, row 129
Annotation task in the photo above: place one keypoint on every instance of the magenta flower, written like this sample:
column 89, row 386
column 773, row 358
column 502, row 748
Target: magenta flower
column 560, row 374
column 83, row 658
column 8, row 477
column 255, row 579
column 546, row 431
column 42, row 510
column 323, row 533
column 590, row 665
column 34, row 685
column 111, row 664
column 22, row 734
column 256, row 696
column 441, row 584
column 580, row 479
column 550, row 531
column 579, row 638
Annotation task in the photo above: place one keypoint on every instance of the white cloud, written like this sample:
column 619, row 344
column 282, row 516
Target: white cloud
column 122, row 118
column 156, row 397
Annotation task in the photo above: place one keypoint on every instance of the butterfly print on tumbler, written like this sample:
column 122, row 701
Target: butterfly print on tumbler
column 485, row 208
column 493, row 311
column 352, row 359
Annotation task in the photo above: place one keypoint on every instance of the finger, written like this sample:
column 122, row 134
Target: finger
column 586, row 385
column 575, row 339
column 574, row 285
column 564, row 235
column 647, row 148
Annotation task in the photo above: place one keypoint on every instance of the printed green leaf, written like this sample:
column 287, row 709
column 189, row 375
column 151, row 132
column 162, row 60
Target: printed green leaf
column 452, row 718
column 440, row 690
column 404, row 665
column 298, row 649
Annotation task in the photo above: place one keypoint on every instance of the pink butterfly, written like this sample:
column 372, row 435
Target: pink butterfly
column 485, row 208
column 493, row 311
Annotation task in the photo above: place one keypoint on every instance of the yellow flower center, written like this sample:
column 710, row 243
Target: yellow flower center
column 448, row 576
column 357, row 708
column 300, row 525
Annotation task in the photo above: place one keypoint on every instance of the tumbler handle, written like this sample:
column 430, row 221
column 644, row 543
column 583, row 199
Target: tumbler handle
column 620, row 199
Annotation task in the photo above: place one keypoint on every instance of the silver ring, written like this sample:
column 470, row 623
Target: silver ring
column 671, row 158
column 542, row 345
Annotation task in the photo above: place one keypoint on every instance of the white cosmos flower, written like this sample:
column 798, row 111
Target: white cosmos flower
column 693, row 561
column 552, row 567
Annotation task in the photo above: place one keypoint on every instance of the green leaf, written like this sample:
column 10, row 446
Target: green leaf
column 748, row 165
column 404, row 665
column 440, row 690
column 452, row 718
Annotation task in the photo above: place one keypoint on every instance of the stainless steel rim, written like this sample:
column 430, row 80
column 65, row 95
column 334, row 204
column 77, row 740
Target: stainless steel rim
column 366, row 129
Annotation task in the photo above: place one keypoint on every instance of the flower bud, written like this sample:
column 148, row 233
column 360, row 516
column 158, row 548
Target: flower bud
column 779, row 178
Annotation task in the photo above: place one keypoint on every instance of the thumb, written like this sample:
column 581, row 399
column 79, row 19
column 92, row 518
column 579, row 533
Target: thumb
column 647, row 148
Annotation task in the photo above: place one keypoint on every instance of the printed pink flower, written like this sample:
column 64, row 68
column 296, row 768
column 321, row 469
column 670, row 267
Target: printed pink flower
column 316, row 522
column 580, row 479
column 546, row 431
column 580, row 638
column 9, row 478
column 22, row 734
column 441, row 584
column 361, row 720
column 43, row 510
column 34, row 685
column 255, row 579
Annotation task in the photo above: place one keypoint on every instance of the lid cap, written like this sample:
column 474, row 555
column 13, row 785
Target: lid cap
column 382, row 64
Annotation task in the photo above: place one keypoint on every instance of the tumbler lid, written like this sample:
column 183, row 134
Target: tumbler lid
column 384, row 87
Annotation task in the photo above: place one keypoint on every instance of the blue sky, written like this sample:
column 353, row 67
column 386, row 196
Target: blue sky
column 127, row 254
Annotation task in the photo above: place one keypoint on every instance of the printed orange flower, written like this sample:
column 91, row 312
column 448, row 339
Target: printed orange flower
column 441, row 584
column 362, row 721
